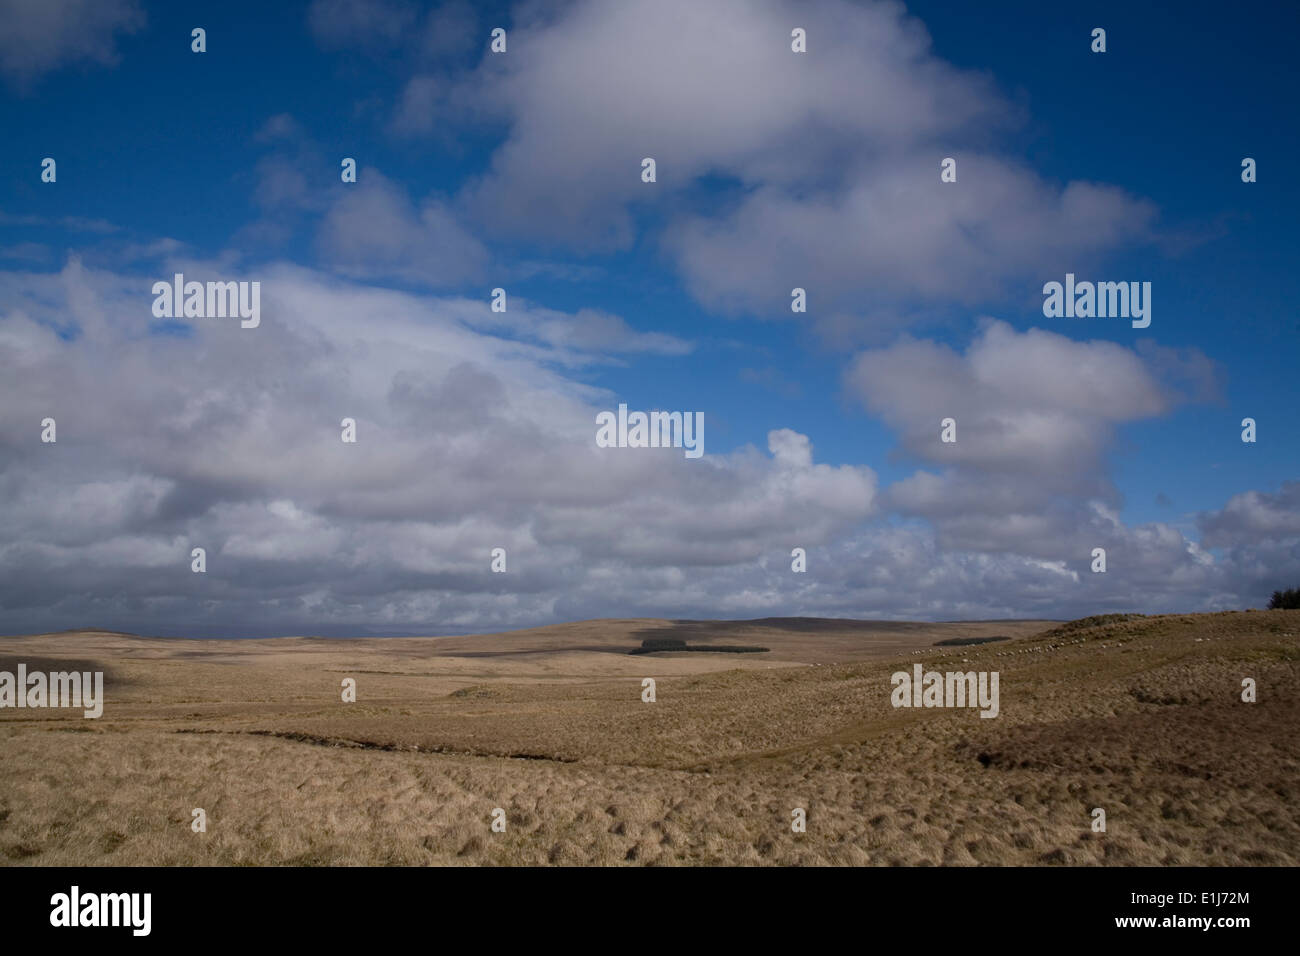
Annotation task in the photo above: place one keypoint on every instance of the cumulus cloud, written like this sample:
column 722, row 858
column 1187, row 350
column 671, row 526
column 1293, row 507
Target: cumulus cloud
column 896, row 233
column 1258, row 535
column 467, row 441
column 476, row 429
column 1035, row 415
column 828, row 161
column 1254, row 516
column 1034, row 403
column 228, row 439
column 40, row 36
column 905, row 572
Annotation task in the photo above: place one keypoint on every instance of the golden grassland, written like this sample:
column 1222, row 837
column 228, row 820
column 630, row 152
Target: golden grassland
column 1141, row 716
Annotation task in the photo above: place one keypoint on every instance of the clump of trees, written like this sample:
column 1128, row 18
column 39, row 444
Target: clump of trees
column 1288, row 600
column 652, row 645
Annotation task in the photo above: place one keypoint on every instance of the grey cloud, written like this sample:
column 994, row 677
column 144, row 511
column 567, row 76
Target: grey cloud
column 595, row 330
column 897, row 234
column 375, row 230
column 1254, row 516
column 40, row 36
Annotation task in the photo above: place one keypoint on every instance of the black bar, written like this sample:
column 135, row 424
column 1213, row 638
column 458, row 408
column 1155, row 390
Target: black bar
column 653, row 906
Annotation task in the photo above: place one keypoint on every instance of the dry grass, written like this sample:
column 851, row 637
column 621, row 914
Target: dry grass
column 1140, row 716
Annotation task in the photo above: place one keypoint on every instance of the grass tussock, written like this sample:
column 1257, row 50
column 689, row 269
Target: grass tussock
column 1140, row 716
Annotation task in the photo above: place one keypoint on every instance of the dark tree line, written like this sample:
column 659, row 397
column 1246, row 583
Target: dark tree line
column 1287, row 600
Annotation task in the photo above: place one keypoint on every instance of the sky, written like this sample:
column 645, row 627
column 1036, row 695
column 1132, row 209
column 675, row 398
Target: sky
column 522, row 170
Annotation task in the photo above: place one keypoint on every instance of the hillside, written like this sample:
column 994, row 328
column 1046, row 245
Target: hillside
column 1141, row 716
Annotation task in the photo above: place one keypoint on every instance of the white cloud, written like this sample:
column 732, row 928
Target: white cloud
column 228, row 439
column 1035, row 415
column 833, row 155
column 1034, row 403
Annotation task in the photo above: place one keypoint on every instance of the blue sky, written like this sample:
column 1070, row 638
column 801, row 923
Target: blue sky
column 228, row 161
